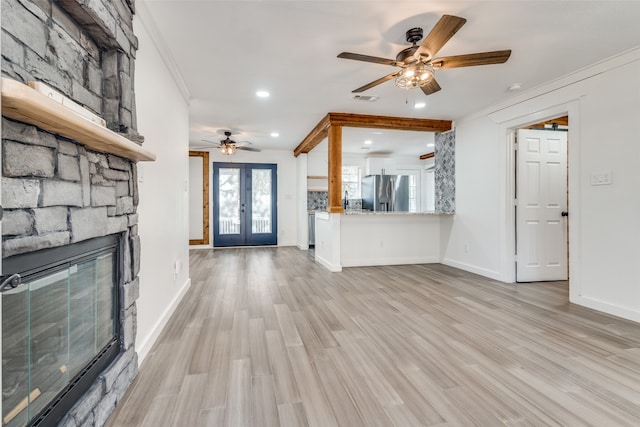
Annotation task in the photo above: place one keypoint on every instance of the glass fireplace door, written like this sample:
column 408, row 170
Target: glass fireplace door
column 53, row 325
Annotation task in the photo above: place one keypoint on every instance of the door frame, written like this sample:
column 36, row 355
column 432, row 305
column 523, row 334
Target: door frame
column 260, row 239
column 510, row 121
column 205, row 198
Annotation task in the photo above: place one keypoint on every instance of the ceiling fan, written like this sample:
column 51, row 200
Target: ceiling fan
column 229, row 146
column 417, row 62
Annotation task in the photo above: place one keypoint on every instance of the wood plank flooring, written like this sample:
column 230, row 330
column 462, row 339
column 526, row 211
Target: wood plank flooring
column 266, row 337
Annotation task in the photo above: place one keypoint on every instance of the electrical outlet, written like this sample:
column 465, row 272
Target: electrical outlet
column 466, row 248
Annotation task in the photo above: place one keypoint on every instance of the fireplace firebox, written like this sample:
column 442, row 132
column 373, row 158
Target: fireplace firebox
column 61, row 328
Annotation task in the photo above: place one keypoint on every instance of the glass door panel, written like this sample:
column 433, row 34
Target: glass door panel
column 261, row 214
column 16, row 390
column 229, row 201
column 245, row 209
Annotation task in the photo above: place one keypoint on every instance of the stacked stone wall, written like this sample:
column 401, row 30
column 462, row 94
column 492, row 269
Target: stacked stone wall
column 57, row 192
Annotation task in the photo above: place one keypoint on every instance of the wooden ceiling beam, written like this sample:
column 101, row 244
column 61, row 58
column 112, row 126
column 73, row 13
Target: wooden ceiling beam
column 388, row 122
column 321, row 130
column 315, row 137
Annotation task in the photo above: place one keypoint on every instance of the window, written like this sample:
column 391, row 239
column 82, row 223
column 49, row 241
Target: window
column 351, row 181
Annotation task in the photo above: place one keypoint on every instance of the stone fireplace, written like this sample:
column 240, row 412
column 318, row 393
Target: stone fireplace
column 59, row 191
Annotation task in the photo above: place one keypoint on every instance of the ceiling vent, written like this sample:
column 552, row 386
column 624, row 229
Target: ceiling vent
column 365, row 98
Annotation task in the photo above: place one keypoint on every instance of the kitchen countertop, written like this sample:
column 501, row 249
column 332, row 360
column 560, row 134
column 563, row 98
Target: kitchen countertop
column 359, row 212
column 365, row 212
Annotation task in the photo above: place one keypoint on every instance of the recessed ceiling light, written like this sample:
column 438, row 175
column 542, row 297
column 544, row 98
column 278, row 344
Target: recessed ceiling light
column 262, row 94
column 419, row 105
column 275, row 134
column 377, row 132
column 368, row 142
column 514, row 87
column 431, row 144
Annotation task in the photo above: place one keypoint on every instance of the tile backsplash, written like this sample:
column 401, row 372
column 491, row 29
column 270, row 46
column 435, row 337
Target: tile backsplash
column 318, row 200
column 445, row 172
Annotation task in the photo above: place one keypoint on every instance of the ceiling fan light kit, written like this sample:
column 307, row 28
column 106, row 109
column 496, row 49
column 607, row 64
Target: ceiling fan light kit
column 229, row 147
column 415, row 75
column 418, row 62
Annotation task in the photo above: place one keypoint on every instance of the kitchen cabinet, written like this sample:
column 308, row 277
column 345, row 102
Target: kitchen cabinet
column 317, row 183
column 375, row 166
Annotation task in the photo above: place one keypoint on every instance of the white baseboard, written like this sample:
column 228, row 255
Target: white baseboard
column 367, row 262
column 491, row 274
column 143, row 346
column 608, row 308
column 329, row 266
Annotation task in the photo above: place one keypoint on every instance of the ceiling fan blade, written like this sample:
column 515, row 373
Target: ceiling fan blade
column 375, row 82
column 444, row 29
column 431, row 87
column 472, row 59
column 257, row 150
column 367, row 58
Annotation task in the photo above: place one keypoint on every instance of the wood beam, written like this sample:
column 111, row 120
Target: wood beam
column 315, row 137
column 388, row 122
column 335, row 170
column 320, row 131
column 427, row 156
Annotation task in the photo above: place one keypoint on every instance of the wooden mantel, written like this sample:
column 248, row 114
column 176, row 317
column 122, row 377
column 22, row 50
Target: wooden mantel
column 22, row 103
column 331, row 125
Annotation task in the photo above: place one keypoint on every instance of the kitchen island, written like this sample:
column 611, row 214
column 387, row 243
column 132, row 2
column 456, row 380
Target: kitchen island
column 365, row 238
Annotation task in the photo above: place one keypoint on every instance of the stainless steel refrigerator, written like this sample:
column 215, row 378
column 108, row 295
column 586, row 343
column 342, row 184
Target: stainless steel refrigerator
column 382, row 193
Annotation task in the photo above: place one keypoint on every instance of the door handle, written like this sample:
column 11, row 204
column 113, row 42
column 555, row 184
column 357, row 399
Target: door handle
column 564, row 213
column 10, row 282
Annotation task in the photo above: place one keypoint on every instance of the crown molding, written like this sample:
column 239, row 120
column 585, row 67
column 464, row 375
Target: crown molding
column 497, row 111
column 146, row 19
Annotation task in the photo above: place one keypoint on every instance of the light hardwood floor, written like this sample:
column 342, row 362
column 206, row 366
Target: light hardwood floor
column 265, row 337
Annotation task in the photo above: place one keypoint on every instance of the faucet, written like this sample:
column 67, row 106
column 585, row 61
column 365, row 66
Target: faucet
column 345, row 202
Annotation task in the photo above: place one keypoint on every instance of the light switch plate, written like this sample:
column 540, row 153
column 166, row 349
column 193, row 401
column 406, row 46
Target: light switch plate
column 601, row 178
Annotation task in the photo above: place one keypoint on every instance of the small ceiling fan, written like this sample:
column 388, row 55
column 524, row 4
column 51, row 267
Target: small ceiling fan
column 417, row 62
column 229, row 147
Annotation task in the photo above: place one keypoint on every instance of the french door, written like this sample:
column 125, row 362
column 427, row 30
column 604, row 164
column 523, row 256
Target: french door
column 245, row 208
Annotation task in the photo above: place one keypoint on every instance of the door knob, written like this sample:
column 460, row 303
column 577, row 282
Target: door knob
column 564, row 213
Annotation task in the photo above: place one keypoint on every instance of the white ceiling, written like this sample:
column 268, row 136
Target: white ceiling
column 228, row 50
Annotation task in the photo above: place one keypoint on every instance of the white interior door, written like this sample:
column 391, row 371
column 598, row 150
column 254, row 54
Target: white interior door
column 541, row 228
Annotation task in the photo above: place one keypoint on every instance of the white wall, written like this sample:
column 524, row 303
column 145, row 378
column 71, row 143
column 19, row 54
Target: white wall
column 287, row 188
column 328, row 238
column 603, row 103
column 473, row 237
column 163, row 210
column 196, row 202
